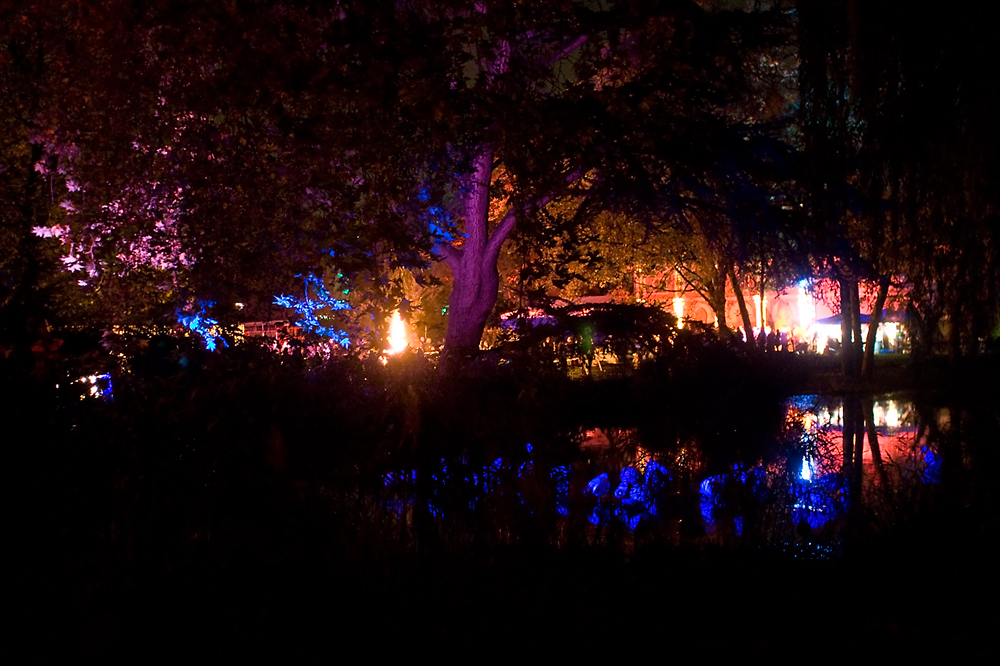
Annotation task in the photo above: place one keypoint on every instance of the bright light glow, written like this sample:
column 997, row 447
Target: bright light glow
column 99, row 386
column 807, row 473
column 807, row 309
column 760, row 310
column 820, row 344
column 679, row 311
column 891, row 415
column 397, row 334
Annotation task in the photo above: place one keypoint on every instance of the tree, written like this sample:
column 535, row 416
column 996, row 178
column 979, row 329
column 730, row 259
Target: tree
column 29, row 286
column 217, row 153
column 900, row 136
column 629, row 122
column 259, row 140
column 696, row 183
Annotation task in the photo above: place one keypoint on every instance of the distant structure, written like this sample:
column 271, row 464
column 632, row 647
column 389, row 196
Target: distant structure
column 266, row 329
column 793, row 313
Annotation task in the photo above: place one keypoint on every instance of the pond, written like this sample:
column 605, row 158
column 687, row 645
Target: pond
column 828, row 472
column 600, row 511
column 845, row 524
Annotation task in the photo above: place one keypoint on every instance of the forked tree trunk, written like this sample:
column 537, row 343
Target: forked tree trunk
column 472, row 299
column 474, row 266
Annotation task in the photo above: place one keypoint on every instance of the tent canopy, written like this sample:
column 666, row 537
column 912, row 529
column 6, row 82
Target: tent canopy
column 887, row 316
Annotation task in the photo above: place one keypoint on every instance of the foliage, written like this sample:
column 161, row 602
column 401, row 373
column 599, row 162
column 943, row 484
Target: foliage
column 307, row 308
column 623, row 339
column 899, row 132
column 221, row 158
column 168, row 152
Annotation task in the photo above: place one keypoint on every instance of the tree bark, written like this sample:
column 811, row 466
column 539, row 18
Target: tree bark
column 846, row 329
column 858, row 349
column 744, row 312
column 474, row 266
column 868, row 364
column 762, row 337
column 717, row 290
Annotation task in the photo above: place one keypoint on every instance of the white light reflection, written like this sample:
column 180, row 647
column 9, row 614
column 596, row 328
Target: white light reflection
column 891, row 415
column 807, row 308
column 807, row 472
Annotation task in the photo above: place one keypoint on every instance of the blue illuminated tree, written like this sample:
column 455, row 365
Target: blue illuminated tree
column 315, row 311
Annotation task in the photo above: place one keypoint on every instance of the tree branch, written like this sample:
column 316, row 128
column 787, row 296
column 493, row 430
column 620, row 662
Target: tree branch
column 693, row 280
column 567, row 48
column 506, row 225
column 449, row 254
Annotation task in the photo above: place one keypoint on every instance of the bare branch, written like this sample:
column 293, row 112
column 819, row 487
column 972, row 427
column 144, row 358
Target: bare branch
column 692, row 280
column 567, row 48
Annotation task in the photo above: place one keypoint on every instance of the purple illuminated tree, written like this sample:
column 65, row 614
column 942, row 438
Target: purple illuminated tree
column 624, row 107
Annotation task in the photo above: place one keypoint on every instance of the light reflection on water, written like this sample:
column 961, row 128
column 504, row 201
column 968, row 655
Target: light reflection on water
column 802, row 493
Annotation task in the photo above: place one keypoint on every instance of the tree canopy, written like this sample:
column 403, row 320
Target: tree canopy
column 900, row 143
column 166, row 153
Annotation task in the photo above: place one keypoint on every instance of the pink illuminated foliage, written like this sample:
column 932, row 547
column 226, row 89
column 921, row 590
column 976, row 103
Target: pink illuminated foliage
column 218, row 158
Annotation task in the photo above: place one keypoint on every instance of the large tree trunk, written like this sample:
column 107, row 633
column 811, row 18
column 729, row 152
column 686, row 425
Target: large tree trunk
column 472, row 299
column 474, row 266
